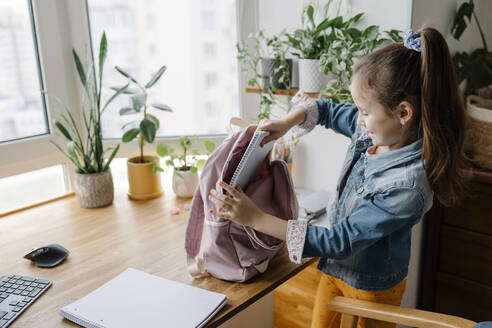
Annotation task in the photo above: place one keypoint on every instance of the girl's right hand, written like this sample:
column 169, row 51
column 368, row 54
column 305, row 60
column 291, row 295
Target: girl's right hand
column 277, row 128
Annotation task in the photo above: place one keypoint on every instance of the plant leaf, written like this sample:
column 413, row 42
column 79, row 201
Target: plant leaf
column 127, row 111
column 127, row 91
column 156, row 77
column 459, row 23
column 162, row 107
column 63, row 130
column 138, row 101
column 209, row 145
column 116, row 94
column 148, row 130
column 128, row 123
column 111, row 157
column 155, row 119
column 103, row 50
column 164, row 150
column 130, row 134
column 80, row 68
column 193, row 169
column 310, row 13
column 125, row 74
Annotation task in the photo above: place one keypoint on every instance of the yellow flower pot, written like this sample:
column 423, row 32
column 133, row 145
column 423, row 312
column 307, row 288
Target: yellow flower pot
column 143, row 183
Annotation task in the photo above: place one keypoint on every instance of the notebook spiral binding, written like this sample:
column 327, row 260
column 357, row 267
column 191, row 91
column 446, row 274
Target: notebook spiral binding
column 80, row 321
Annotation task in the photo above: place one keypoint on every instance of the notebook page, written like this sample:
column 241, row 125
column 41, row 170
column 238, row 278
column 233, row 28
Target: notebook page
column 138, row 299
column 252, row 157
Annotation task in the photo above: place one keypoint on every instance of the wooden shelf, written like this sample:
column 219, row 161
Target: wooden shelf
column 284, row 92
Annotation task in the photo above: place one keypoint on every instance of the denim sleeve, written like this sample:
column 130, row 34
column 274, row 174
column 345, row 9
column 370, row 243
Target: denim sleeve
column 385, row 213
column 342, row 118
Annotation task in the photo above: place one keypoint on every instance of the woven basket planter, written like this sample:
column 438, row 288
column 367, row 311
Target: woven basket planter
column 478, row 137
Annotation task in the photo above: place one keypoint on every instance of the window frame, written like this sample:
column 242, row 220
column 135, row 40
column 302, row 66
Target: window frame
column 54, row 41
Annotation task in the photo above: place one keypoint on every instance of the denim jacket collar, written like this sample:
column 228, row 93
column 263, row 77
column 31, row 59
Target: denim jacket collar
column 380, row 162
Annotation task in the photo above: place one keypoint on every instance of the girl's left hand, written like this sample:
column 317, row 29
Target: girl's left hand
column 238, row 208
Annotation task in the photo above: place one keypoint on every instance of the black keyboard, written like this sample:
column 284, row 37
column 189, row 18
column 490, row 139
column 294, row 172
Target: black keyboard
column 17, row 293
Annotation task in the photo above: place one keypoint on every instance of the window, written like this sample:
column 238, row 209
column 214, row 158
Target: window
column 208, row 20
column 210, row 80
column 210, row 50
column 211, row 110
column 22, row 107
column 32, row 187
column 178, row 38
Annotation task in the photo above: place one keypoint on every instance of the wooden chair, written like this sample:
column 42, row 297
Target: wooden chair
column 353, row 308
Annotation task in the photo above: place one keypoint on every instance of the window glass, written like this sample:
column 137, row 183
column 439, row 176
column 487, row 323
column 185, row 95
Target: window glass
column 195, row 40
column 22, row 108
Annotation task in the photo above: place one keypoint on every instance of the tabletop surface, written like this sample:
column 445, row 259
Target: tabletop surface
column 104, row 242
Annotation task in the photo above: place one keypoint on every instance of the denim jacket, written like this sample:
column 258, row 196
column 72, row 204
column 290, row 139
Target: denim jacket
column 379, row 198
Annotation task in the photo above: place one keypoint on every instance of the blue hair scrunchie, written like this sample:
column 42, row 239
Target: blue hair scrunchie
column 412, row 40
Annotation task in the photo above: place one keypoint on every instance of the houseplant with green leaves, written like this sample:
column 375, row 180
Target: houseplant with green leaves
column 347, row 44
column 249, row 58
column 185, row 166
column 84, row 148
column 475, row 69
column 271, row 70
column 308, row 43
column 144, row 181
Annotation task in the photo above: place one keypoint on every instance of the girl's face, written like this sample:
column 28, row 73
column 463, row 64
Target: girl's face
column 384, row 129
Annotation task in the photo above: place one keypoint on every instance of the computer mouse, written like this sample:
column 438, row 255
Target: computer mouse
column 48, row 256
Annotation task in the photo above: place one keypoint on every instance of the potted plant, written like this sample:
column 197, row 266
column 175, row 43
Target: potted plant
column 250, row 58
column 309, row 42
column 348, row 44
column 144, row 182
column 185, row 175
column 270, row 67
column 275, row 67
column 93, row 179
column 476, row 70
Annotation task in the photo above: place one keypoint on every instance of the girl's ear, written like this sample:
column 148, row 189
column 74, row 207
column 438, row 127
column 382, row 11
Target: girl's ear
column 404, row 112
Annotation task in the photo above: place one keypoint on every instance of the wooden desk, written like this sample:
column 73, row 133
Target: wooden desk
column 104, row 242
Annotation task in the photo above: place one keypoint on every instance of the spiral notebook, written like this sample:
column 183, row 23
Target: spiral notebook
column 138, row 299
column 252, row 157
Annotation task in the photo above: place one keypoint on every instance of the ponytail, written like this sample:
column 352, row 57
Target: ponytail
column 443, row 120
column 428, row 81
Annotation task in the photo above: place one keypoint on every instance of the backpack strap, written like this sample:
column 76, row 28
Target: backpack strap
column 193, row 237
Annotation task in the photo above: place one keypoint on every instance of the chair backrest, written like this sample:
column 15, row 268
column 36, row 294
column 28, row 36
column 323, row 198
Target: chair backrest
column 351, row 309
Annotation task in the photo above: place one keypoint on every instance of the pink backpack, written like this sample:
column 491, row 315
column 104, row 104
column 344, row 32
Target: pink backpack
column 234, row 252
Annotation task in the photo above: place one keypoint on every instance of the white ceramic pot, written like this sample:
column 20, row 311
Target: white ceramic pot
column 311, row 77
column 184, row 184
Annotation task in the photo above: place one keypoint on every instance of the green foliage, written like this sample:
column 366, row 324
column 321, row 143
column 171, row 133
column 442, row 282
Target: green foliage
column 183, row 162
column 146, row 128
column 476, row 67
column 276, row 47
column 88, row 158
column 311, row 40
column 348, row 44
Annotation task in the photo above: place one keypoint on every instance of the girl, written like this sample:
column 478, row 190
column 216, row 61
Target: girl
column 407, row 132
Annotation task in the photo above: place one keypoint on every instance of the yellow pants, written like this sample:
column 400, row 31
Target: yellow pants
column 329, row 287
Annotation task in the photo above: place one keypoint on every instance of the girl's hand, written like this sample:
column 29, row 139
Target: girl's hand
column 238, row 208
column 277, row 128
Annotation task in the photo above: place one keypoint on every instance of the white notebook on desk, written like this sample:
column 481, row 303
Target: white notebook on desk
column 251, row 159
column 138, row 299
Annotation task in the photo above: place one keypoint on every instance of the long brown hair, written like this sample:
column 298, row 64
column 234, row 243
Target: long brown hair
column 428, row 81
